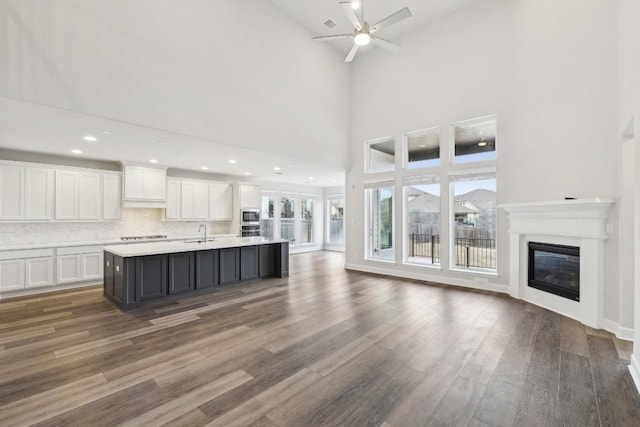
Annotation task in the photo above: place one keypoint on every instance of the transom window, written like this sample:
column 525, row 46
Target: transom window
column 422, row 148
column 474, row 140
column 381, row 155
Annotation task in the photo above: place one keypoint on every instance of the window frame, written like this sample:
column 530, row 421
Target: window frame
column 405, row 149
column 367, row 155
column 369, row 232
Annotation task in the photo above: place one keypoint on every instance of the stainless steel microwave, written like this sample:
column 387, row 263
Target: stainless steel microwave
column 249, row 216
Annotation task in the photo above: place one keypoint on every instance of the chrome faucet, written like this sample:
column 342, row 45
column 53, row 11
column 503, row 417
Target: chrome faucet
column 205, row 232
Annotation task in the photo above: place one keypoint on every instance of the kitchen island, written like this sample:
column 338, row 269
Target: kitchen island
column 139, row 272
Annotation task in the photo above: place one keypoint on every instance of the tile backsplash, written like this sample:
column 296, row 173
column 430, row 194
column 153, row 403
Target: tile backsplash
column 134, row 222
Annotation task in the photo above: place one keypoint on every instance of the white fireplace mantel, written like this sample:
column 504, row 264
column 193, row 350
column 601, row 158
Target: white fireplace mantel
column 578, row 222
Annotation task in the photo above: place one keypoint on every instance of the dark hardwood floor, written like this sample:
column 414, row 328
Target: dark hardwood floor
column 323, row 347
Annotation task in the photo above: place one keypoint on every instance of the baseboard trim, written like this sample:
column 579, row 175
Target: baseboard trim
column 619, row 331
column 634, row 369
column 47, row 289
column 464, row 283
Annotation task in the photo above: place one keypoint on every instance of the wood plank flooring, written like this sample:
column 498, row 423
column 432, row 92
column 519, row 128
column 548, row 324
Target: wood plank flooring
column 324, row 347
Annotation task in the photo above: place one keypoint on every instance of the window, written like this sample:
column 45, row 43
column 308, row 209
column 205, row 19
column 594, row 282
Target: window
column 474, row 140
column 422, row 222
column 288, row 218
column 306, row 220
column 422, row 148
column 380, row 222
column 335, row 217
column 381, row 155
column 268, row 215
column 473, row 231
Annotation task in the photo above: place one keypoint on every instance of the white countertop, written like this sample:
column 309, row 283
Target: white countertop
column 49, row 245
column 156, row 248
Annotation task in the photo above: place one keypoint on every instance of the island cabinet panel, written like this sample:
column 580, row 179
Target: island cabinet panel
column 267, row 259
column 249, row 263
column 229, row 265
column 207, row 270
column 109, row 283
column 151, row 276
column 181, row 272
column 282, row 260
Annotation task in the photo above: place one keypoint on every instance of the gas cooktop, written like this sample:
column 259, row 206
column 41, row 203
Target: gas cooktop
column 152, row 237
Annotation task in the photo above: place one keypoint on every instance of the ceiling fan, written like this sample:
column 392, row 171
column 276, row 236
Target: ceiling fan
column 363, row 33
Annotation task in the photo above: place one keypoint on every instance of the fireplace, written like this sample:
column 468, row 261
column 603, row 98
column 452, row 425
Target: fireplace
column 576, row 224
column 555, row 269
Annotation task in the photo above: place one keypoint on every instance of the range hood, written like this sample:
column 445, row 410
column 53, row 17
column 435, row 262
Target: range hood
column 144, row 187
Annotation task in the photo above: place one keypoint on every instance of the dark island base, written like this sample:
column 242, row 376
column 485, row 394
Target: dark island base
column 130, row 281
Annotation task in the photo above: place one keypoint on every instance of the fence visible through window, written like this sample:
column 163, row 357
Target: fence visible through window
column 469, row 252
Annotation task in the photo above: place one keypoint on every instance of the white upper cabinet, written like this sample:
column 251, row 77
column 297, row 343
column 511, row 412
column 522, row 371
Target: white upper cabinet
column 195, row 200
column 89, row 196
column 11, row 193
column 174, row 199
column 66, row 195
column 145, row 184
column 111, row 197
column 220, row 201
column 250, row 196
column 38, row 191
column 189, row 199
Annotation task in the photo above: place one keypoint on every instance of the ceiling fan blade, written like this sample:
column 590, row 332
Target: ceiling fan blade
column 351, row 14
column 392, row 19
column 391, row 47
column 334, row 37
column 351, row 53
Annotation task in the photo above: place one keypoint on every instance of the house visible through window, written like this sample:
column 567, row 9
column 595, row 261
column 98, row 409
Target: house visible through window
column 422, row 221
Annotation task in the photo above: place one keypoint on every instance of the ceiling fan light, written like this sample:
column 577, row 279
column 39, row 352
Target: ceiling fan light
column 362, row 39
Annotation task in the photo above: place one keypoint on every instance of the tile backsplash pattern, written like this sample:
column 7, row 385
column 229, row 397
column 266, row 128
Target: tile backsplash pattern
column 134, row 222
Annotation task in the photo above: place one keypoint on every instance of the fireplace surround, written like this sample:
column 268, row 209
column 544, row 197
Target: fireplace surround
column 580, row 224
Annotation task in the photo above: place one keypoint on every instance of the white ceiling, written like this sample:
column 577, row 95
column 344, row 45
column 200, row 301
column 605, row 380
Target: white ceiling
column 313, row 13
column 38, row 128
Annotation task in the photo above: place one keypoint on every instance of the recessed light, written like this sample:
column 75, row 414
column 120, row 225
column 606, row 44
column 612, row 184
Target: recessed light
column 276, row 168
column 247, row 173
column 153, row 161
column 423, row 145
column 232, row 161
column 311, row 178
column 90, row 138
column 482, row 144
column 333, row 181
column 355, row 4
column 105, row 132
column 204, row 168
column 76, row 151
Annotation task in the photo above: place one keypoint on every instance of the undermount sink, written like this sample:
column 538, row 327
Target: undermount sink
column 199, row 240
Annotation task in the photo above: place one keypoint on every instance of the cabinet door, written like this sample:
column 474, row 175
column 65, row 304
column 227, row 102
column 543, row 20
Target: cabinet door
column 249, row 262
column 11, row 192
column 89, row 196
column 267, row 260
column 250, row 196
column 155, row 181
column 174, row 200
column 12, row 275
column 201, row 200
column 69, row 268
column 39, row 272
column 188, row 194
column 91, row 266
column 134, row 177
column 220, row 201
column 181, row 272
column 229, row 265
column 151, row 276
column 38, row 192
column 66, row 195
column 207, row 274
column 111, row 197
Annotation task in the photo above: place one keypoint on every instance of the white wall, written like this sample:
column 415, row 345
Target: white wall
column 233, row 71
column 546, row 68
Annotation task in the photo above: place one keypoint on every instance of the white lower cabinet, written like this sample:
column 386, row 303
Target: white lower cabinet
column 79, row 264
column 39, row 272
column 26, row 269
column 12, row 274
